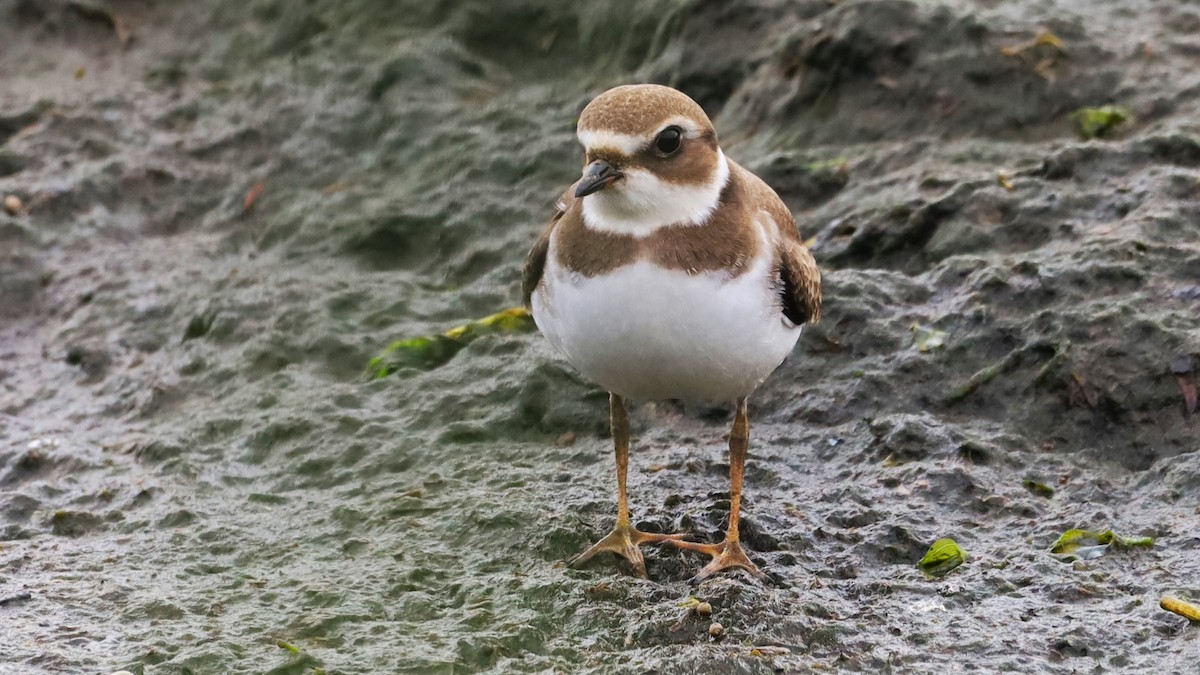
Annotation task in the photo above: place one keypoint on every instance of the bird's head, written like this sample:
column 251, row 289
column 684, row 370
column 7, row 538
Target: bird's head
column 651, row 159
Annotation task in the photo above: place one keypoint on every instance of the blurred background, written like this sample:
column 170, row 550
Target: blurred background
column 216, row 213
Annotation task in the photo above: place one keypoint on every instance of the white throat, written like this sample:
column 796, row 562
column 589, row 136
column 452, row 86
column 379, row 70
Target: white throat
column 640, row 203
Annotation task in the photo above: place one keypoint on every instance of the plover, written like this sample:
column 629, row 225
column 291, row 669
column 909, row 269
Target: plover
column 669, row 272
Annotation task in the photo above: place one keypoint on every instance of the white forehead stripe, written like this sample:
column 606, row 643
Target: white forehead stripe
column 626, row 143
column 630, row 144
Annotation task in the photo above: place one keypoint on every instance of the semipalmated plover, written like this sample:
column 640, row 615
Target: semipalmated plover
column 669, row 272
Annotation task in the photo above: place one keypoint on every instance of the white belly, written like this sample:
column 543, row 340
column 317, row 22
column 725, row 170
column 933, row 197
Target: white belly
column 648, row 333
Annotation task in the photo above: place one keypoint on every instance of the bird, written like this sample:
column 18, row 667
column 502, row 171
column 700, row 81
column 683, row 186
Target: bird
column 669, row 271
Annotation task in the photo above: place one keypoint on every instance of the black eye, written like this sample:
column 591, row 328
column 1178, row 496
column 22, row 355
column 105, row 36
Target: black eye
column 668, row 140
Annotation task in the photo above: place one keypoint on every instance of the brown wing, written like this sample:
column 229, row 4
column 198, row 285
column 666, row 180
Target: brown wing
column 535, row 262
column 801, row 292
column 800, row 280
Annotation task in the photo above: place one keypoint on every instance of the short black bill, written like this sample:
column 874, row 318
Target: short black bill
column 596, row 176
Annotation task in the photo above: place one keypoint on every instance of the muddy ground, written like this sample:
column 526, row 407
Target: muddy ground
column 228, row 207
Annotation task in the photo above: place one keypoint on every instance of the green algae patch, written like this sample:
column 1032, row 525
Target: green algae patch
column 199, row 326
column 299, row 661
column 1087, row 545
column 1099, row 122
column 1039, row 489
column 1052, row 370
column 830, row 175
column 426, row 353
column 1006, row 365
column 941, row 558
column 284, row 644
column 68, row 523
column 977, row 380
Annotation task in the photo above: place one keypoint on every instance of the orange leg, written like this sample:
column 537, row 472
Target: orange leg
column 729, row 554
column 624, row 538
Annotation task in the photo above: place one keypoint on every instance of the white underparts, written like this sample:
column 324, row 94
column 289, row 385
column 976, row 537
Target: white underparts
column 640, row 202
column 646, row 332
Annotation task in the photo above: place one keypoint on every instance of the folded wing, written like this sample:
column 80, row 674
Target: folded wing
column 800, row 287
column 535, row 262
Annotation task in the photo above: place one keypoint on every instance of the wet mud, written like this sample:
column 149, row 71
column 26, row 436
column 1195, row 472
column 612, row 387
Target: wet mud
column 227, row 208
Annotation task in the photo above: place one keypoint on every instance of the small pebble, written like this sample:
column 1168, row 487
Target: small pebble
column 122, row 672
column 12, row 204
column 704, row 609
column 716, row 631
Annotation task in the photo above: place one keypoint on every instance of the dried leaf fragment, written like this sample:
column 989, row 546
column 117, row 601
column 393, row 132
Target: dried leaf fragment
column 1044, row 38
column 334, row 188
column 1188, row 388
column 928, row 338
column 769, row 650
column 1182, row 369
column 1045, row 70
column 252, row 196
column 1184, row 609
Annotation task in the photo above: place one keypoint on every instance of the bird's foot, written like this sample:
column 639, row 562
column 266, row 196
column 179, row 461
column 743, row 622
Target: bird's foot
column 726, row 555
column 624, row 541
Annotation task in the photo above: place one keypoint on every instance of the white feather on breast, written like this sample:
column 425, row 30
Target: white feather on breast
column 646, row 332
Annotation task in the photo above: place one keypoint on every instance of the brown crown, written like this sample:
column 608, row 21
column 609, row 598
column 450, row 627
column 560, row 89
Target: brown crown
column 640, row 109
